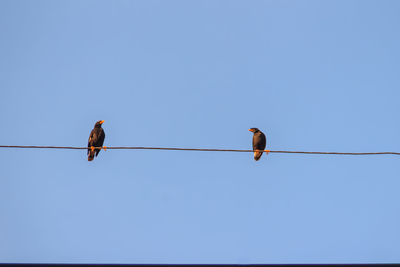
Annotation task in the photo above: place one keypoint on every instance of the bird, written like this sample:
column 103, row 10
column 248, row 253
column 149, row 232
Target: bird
column 259, row 142
column 96, row 139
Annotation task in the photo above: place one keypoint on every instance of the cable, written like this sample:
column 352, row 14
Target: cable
column 208, row 149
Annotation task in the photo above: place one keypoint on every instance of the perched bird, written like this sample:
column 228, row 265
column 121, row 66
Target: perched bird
column 96, row 139
column 259, row 142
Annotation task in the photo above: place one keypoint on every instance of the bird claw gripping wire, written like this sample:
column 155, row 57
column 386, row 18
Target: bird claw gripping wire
column 92, row 148
column 267, row 151
column 104, row 148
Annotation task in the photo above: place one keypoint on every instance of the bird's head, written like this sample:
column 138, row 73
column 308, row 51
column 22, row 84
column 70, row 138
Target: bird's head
column 254, row 130
column 98, row 124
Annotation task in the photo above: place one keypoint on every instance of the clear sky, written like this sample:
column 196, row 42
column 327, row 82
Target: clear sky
column 312, row 75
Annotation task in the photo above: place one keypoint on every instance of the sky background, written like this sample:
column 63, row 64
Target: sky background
column 312, row 75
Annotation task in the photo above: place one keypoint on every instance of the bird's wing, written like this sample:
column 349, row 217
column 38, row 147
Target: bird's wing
column 259, row 141
column 99, row 140
column 91, row 137
column 263, row 142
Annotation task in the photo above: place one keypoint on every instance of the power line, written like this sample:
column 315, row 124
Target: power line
column 208, row 149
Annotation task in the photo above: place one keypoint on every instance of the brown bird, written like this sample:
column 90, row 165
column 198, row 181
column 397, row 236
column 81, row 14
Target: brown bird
column 259, row 143
column 96, row 139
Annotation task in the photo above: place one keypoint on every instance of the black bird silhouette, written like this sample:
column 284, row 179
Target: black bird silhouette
column 259, row 142
column 96, row 139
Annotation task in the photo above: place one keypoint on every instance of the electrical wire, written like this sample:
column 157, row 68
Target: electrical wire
column 207, row 149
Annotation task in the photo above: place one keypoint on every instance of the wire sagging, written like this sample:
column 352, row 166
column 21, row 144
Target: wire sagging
column 207, row 149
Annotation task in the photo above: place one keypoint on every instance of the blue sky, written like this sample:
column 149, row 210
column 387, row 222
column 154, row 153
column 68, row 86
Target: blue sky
column 312, row 75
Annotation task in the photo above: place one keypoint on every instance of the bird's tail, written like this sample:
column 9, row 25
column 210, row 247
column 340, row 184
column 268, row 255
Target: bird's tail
column 90, row 155
column 257, row 155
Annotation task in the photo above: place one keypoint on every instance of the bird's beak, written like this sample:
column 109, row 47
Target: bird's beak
column 251, row 130
column 101, row 122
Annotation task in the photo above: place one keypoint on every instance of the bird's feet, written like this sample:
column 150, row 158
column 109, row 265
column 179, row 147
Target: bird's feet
column 267, row 151
column 92, row 148
column 105, row 148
